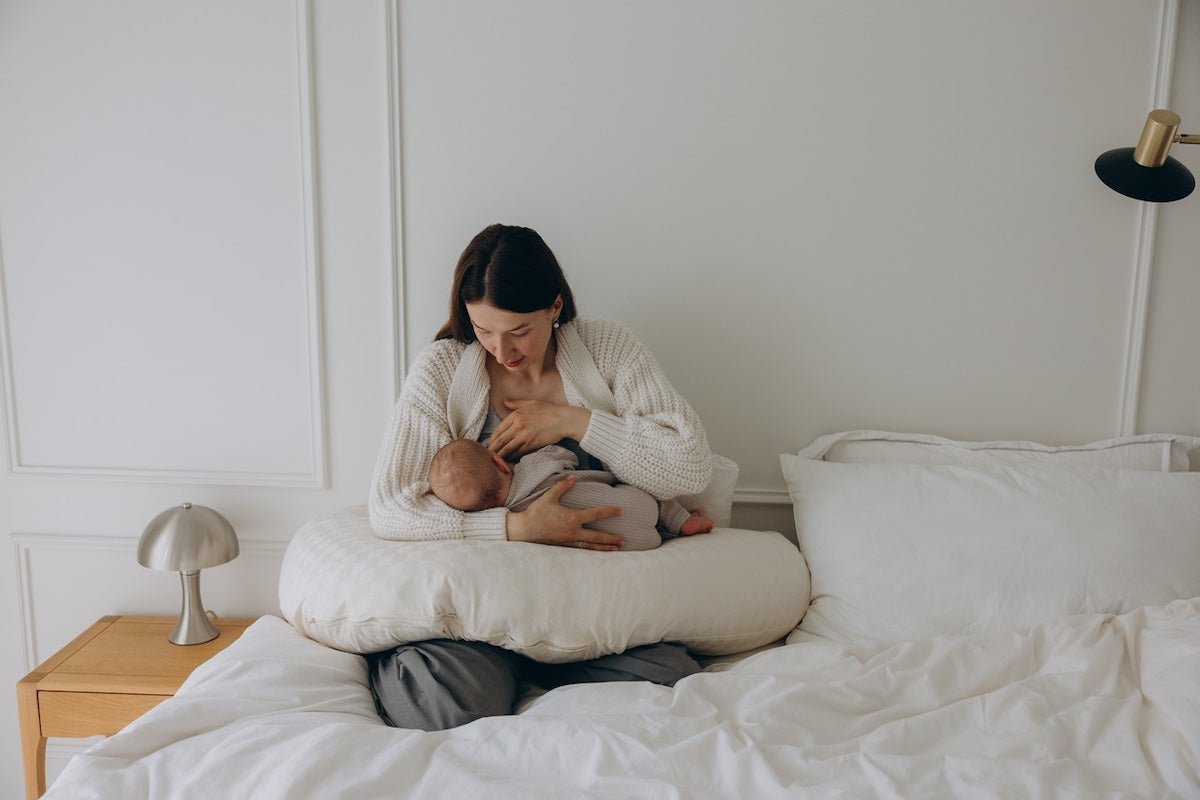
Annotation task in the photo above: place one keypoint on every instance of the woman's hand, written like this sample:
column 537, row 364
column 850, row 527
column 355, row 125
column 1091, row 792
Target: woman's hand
column 548, row 522
column 531, row 424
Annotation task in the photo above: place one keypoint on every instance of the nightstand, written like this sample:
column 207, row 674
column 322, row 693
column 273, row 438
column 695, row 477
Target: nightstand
column 112, row 673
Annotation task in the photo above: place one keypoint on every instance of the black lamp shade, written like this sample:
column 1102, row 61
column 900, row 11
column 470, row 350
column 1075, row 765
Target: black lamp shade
column 1121, row 173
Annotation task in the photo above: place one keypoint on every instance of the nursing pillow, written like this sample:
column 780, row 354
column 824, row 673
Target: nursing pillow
column 717, row 593
column 716, row 501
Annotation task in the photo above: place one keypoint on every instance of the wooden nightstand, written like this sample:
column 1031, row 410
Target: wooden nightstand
column 112, row 673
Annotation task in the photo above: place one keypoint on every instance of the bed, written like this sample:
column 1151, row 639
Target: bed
column 999, row 619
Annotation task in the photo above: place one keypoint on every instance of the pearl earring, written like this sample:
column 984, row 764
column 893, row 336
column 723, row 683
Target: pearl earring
column 555, row 324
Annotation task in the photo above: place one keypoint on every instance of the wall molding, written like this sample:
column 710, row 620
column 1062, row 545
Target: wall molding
column 396, row 195
column 310, row 480
column 27, row 544
column 312, row 241
column 1145, row 238
column 762, row 497
column 6, row 372
column 317, row 476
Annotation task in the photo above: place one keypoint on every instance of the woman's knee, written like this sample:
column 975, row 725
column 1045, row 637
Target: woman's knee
column 442, row 683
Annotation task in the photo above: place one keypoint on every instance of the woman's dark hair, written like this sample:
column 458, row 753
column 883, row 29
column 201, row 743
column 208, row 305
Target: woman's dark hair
column 510, row 268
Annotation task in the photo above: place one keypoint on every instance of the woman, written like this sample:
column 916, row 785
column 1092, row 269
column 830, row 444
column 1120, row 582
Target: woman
column 515, row 368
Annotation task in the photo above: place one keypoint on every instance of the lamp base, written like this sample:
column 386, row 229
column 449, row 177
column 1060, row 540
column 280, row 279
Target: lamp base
column 194, row 626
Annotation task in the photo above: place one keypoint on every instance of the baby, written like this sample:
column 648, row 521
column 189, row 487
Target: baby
column 466, row 475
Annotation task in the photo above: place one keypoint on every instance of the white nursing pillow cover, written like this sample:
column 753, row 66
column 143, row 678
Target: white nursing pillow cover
column 716, row 501
column 717, row 593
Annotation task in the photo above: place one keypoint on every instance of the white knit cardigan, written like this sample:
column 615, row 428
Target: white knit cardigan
column 641, row 428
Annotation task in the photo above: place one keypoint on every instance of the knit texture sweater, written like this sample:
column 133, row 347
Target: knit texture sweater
column 643, row 431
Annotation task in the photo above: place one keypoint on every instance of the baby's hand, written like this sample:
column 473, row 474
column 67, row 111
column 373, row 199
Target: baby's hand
column 696, row 523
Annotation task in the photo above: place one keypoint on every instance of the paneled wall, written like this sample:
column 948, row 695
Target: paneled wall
column 225, row 229
column 200, row 233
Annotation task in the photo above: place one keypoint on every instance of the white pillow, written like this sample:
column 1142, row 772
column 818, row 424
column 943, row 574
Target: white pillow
column 900, row 552
column 1152, row 451
column 717, row 500
column 717, row 593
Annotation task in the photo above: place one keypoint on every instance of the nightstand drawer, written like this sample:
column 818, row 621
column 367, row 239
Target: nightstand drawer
column 79, row 714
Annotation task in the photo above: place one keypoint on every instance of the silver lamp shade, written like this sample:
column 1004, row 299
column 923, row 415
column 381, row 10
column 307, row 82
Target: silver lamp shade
column 186, row 539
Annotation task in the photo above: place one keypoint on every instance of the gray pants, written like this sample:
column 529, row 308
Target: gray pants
column 442, row 683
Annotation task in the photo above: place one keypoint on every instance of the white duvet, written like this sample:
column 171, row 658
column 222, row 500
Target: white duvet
column 1084, row 706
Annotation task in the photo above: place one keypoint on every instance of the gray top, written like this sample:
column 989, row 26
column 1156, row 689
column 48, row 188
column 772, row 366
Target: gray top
column 585, row 459
column 643, row 522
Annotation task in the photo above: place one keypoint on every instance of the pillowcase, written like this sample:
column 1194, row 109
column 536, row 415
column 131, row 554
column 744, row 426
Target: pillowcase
column 900, row 552
column 1152, row 451
column 717, row 593
column 717, row 500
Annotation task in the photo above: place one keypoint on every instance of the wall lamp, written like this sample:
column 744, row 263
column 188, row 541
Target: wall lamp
column 1146, row 172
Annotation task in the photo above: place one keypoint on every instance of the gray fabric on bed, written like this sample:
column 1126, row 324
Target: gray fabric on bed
column 663, row 663
column 443, row 683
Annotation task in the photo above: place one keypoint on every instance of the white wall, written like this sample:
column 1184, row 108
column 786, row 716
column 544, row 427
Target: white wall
column 198, row 233
column 225, row 228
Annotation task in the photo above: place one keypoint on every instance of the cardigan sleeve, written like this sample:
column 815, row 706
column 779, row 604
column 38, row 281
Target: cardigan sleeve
column 653, row 439
column 401, row 505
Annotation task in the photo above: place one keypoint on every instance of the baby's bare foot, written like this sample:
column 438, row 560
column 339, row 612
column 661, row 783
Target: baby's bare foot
column 696, row 523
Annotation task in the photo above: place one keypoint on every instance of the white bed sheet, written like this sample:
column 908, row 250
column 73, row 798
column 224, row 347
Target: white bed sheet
column 1084, row 706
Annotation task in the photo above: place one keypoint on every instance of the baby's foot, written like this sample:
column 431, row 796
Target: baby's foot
column 696, row 523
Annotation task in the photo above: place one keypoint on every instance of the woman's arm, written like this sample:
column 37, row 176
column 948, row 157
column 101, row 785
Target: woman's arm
column 401, row 505
column 653, row 440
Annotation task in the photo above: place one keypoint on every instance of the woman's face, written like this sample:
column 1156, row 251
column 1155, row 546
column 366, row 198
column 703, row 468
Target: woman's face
column 515, row 340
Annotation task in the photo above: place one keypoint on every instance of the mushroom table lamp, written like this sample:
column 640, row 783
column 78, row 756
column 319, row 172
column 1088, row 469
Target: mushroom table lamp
column 186, row 539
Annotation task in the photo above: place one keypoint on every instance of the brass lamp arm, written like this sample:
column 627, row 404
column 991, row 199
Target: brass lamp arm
column 1160, row 132
column 1188, row 138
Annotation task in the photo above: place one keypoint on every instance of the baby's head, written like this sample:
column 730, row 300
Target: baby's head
column 466, row 475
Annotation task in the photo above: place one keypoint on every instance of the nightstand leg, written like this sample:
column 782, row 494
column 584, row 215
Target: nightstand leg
column 33, row 744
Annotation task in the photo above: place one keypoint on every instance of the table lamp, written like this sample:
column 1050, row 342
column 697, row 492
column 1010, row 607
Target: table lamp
column 186, row 539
